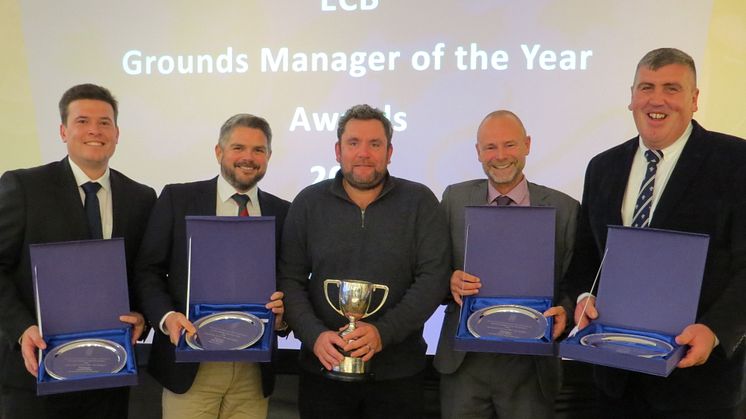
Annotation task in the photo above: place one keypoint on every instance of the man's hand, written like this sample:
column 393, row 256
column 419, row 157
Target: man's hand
column 364, row 341
column 31, row 342
column 560, row 320
column 174, row 323
column 590, row 313
column 463, row 284
column 325, row 350
column 138, row 324
column 701, row 341
column 278, row 307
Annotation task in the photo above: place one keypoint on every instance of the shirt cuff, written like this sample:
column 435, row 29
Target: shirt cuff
column 583, row 296
column 162, row 323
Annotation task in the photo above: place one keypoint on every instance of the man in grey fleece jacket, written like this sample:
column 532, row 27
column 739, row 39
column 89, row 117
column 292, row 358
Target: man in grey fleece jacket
column 364, row 224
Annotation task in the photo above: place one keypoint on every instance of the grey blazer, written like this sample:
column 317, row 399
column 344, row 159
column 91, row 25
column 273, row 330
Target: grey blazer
column 474, row 192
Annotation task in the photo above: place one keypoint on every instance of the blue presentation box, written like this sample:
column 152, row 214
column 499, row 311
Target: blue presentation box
column 231, row 268
column 649, row 285
column 81, row 290
column 511, row 249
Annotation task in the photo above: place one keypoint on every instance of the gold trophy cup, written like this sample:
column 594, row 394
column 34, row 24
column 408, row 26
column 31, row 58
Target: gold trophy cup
column 354, row 301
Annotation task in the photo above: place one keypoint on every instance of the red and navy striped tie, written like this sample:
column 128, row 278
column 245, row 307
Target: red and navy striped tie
column 241, row 200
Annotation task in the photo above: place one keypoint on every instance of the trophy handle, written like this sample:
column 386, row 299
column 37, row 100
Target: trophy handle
column 326, row 293
column 383, row 300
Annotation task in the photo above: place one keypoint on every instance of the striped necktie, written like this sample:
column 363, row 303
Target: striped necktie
column 644, row 202
column 241, row 200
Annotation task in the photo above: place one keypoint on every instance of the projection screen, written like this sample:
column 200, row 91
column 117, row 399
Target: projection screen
column 180, row 68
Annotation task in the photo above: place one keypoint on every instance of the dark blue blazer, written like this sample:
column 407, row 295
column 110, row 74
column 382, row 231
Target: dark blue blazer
column 43, row 205
column 706, row 193
column 161, row 271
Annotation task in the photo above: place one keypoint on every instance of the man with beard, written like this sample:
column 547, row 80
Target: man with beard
column 215, row 389
column 364, row 224
column 527, row 385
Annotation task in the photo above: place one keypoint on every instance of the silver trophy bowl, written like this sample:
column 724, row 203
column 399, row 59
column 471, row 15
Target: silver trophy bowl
column 354, row 299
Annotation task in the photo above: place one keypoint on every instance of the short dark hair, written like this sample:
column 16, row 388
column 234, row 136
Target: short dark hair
column 660, row 57
column 248, row 121
column 87, row 91
column 364, row 113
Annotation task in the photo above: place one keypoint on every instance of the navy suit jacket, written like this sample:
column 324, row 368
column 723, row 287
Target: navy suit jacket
column 474, row 192
column 161, row 271
column 43, row 205
column 706, row 193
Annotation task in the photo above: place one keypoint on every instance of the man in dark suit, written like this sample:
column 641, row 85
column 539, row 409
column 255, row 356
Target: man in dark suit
column 700, row 187
column 482, row 384
column 46, row 204
column 224, row 389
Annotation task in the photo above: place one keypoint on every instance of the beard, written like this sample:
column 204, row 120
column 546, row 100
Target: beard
column 504, row 178
column 230, row 175
column 364, row 184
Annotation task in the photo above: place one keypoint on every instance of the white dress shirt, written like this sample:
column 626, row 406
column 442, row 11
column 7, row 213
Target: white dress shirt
column 637, row 174
column 103, row 194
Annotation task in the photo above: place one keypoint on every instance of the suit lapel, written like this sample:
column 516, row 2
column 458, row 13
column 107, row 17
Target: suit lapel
column 478, row 194
column 204, row 198
column 67, row 201
column 265, row 204
column 118, row 197
column 537, row 197
column 686, row 170
column 614, row 185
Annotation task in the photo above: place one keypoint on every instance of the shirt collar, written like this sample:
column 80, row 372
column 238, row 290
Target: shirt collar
column 674, row 149
column 518, row 194
column 81, row 178
column 226, row 191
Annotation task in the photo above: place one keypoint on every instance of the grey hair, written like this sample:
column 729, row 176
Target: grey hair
column 503, row 113
column 660, row 57
column 248, row 121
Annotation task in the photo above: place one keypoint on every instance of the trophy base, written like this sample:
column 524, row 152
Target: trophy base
column 350, row 370
column 349, row 377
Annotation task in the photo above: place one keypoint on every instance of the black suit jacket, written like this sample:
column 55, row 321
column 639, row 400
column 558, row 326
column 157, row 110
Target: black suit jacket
column 161, row 271
column 43, row 205
column 706, row 193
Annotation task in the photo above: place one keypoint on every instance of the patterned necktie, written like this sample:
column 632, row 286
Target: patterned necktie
column 503, row 200
column 93, row 210
column 241, row 200
column 644, row 202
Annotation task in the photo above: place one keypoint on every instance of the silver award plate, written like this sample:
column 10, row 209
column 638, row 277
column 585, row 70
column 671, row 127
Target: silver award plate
column 83, row 357
column 507, row 321
column 226, row 331
column 635, row 345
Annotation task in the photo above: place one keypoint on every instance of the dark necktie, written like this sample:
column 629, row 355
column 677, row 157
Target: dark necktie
column 241, row 200
column 93, row 210
column 641, row 217
column 503, row 201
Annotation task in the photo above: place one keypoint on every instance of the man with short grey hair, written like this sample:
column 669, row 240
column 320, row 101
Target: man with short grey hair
column 469, row 383
column 699, row 186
